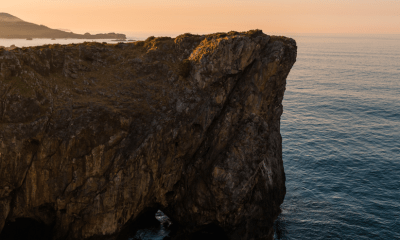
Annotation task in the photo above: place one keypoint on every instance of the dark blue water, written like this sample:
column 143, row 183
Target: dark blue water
column 341, row 139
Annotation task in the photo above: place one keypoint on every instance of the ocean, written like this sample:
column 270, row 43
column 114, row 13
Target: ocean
column 341, row 139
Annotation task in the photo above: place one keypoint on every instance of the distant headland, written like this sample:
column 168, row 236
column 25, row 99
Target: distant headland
column 13, row 27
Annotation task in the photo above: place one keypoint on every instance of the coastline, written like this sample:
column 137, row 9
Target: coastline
column 6, row 43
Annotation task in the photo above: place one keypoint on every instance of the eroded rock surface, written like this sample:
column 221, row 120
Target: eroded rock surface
column 93, row 136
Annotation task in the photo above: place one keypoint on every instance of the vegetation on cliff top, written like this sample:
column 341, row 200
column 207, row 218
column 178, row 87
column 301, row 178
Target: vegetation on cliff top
column 87, row 61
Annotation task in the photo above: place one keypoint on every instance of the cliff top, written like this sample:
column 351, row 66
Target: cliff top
column 90, row 58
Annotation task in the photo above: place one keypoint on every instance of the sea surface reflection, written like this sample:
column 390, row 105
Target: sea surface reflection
column 341, row 129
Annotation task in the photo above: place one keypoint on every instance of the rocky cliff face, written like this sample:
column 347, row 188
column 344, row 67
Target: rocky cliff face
column 95, row 136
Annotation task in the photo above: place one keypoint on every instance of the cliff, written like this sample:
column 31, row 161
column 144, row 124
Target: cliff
column 94, row 137
column 13, row 27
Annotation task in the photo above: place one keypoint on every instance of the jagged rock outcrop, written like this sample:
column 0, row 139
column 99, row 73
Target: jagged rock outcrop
column 93, row 136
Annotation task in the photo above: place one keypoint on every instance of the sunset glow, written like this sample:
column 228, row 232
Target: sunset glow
column 160, row 16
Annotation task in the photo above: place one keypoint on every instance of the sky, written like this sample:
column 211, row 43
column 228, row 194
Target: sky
column 171, row 17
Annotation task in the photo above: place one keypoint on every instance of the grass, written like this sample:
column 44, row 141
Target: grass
column 136, row 84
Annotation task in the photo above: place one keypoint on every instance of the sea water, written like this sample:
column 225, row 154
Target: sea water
column 341, row 139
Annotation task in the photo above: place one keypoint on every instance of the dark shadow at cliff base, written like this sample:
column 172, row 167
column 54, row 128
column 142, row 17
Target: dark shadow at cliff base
column 158, row 226
column 26, row 228
column 280, row 228
column 146, row 220
column 209, row 232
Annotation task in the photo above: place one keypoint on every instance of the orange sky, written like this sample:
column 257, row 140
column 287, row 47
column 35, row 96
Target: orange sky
column 179, row 16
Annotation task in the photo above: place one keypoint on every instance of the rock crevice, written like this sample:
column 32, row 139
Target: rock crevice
column 93, row 136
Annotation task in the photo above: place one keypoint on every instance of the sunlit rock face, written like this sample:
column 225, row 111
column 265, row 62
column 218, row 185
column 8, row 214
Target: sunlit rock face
column 95, row 136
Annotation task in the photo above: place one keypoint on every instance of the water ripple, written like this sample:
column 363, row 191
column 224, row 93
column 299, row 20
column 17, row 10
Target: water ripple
column 341, row 148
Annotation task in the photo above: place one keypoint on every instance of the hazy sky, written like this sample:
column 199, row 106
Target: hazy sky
column 202, row 16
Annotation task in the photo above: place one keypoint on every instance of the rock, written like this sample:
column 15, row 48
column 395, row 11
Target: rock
column 95, row 137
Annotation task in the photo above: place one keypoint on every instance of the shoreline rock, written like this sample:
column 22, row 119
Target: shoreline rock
column 95, row 137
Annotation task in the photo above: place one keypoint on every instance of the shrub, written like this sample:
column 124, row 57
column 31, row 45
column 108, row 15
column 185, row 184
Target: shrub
column 150, row 38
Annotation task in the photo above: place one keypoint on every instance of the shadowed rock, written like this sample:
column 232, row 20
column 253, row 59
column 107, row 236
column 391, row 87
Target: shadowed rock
column 95, row 136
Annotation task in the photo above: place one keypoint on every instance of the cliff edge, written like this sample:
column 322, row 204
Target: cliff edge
column 94, row 137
